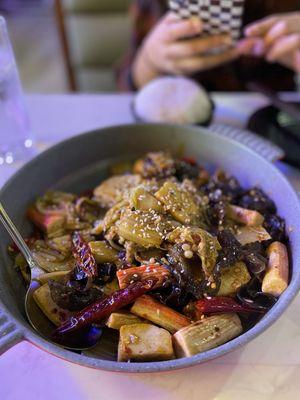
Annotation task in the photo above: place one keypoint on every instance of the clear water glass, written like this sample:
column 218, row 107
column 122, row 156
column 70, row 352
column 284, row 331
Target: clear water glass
column 15, row 136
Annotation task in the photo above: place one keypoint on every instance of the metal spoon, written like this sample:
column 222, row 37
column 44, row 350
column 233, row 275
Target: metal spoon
column 80, row 340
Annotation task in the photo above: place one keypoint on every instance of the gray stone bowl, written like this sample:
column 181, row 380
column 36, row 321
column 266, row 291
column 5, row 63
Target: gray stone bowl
column 80, row 163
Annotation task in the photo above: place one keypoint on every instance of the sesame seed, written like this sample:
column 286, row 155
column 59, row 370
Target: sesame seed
column 188, row 254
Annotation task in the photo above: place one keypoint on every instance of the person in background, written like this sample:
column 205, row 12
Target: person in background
column 162, row 44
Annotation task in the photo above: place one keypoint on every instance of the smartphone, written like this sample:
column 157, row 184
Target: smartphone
column 218, row 16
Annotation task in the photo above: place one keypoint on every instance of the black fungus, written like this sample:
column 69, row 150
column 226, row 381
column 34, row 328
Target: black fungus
column 186, row 279
column 255, row 257
column 223, row 187
column 78, row 274
column 231, row 251
column 173, row 295
column 221, row 190
column 275, row 226
column 256, row 199
column 215, row 214
column 252, row 254
column 71, row 298
column 251, row 295
column 186, row 170
column 106, row 273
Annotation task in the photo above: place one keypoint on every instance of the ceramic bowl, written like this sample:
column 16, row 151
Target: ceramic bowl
column 81, row 163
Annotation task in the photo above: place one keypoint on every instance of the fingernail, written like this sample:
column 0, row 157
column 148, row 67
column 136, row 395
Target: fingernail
column 259, row 49
column 227, row 40
column 240, row 46
column 248, row 31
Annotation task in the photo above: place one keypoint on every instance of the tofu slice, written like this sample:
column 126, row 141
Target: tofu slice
column 120, row 318
column 52, row 311
column 144, row 342
column 152, row 310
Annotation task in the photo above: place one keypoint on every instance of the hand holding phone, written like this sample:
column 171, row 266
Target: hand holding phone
column 178, row 47
column 217, row 16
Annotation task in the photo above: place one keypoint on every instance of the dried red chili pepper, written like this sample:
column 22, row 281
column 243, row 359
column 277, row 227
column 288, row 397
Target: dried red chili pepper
column 189, row 160
column 83, row 255
column 222, row 304
column 104, row 307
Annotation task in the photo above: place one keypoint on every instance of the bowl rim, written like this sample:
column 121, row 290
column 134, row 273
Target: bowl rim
column 157, row 366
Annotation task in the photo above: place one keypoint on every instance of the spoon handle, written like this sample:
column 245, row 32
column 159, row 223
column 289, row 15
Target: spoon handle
column 16, row 236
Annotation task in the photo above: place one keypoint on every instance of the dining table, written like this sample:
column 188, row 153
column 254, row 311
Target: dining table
column 266, row 368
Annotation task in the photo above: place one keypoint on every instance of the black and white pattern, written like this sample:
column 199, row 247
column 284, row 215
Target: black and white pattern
column 218, row 16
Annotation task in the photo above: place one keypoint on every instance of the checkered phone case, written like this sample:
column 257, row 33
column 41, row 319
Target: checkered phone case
column 218, row 16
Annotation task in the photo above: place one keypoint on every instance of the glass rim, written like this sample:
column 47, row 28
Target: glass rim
column 4, row 35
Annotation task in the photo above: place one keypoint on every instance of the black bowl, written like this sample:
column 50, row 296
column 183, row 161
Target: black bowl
column 279, row 128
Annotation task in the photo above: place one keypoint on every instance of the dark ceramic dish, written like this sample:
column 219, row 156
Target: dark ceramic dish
column 80, row 163
column 281, row 129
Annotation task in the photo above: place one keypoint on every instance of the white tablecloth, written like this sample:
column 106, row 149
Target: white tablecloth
column 267, row 368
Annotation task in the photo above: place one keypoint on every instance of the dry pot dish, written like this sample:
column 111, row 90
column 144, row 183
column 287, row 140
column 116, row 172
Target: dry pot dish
column 176, row 260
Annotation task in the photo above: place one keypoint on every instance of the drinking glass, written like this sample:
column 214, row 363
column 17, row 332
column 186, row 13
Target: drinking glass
column 15, row 136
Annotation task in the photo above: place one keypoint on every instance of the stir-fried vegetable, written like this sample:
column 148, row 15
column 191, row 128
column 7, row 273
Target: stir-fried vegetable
column 206, row 334
column 109, row 192
column 198, row 241
column 179, row 203
column 161, row 315
column 51, row 260
column 146, row 229
column 155, row 165
column 103, row 252
column 142, row 199
column 277, row 275
column 120, row 318
column 164, row 243
column 251, row 234
column 104, row 307
column 232, row 278
column 244, row 216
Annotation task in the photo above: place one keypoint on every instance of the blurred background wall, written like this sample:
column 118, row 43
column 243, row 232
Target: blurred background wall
column 64, row 45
